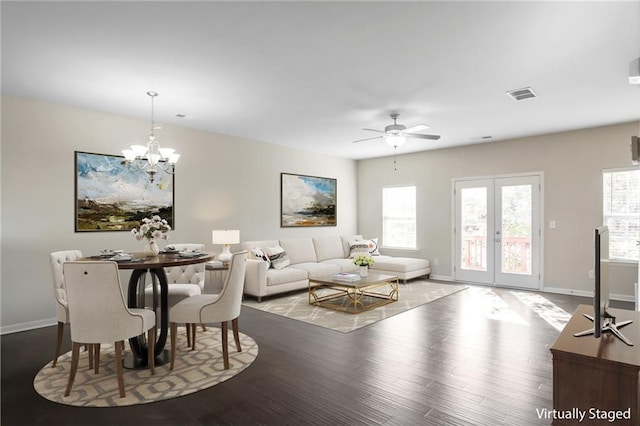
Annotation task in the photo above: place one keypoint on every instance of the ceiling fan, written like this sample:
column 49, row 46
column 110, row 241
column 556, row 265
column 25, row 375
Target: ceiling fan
column 395, row 134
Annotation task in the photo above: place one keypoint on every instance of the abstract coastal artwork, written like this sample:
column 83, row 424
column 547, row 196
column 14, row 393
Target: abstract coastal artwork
column 307, row 201
column 111, row 196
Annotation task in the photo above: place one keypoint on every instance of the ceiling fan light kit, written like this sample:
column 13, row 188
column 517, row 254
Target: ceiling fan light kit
column 395, row 140
column 395, row 134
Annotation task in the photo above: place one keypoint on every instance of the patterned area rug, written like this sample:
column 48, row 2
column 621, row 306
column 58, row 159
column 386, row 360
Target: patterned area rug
column 296, row 306
column 193, row 371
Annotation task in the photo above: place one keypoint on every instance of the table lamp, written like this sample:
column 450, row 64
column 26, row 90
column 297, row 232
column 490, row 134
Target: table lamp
column 225, row 237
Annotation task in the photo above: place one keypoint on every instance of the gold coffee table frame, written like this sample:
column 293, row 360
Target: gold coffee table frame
column 359, row 293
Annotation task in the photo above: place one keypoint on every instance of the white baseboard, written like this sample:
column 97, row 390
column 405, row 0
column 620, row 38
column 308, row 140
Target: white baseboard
column 584, row 293
column 572, row 292
column 25, row 326
column 622, row 297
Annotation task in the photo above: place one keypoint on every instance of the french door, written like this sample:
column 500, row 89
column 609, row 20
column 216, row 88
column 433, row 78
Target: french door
column 497, row 231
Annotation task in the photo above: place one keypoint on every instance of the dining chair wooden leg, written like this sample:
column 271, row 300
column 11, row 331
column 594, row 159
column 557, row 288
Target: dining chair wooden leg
column 96, row 357
column 58, row 343
column 225, row 344
column 119, row 346
column 151, row 356
column 193, row 336
column 174, row 332
column 75, row 354
column 236, row 333
column 187, row 326
column 89, row 349
column 204, row 327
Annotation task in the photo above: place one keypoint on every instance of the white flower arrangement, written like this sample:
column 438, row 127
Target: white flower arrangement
column 155, row 228
column 362, row 260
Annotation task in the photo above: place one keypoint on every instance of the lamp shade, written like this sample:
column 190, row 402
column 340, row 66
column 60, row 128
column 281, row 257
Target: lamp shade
column 225, row 236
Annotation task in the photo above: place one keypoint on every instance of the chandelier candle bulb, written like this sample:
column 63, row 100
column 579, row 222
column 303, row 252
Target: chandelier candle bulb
column 156, row 157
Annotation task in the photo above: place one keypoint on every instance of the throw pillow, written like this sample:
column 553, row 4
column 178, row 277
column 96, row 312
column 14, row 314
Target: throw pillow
column 277, row 257
column 373, row 247
column 358, row 247
column 365, row 247
column 259, row 254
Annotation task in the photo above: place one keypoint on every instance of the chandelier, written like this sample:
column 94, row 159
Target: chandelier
column 151, row 157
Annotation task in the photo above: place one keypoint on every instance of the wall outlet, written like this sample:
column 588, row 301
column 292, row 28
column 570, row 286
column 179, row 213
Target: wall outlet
column 436, row 261
column 592, row 274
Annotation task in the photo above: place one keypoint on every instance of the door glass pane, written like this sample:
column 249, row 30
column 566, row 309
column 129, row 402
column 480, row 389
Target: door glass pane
column 473, row 232
column 516, row 229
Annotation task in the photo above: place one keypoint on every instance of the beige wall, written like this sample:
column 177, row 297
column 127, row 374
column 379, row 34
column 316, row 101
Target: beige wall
column 227, row 182
column 221, row 182
column 571, row 163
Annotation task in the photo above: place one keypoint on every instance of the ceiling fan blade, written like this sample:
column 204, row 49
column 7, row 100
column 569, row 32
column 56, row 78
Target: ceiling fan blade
column 374, row 130
column 367, row 139
column 418, row 128
column 413, row 135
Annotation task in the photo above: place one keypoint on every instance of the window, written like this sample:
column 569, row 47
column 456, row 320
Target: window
column 399, row 217
column 621, row 212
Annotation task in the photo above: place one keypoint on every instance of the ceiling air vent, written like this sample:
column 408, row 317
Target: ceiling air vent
column 522, row 94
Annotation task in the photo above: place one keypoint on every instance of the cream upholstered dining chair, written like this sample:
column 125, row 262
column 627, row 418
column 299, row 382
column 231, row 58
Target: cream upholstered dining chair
column 98, row 314
column 57, row 259
column 183, row 281
column 208, row 308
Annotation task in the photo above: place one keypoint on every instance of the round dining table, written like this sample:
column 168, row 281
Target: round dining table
column 141, row 265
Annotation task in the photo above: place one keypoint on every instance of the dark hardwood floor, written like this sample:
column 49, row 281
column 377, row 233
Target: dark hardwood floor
column 468, row 359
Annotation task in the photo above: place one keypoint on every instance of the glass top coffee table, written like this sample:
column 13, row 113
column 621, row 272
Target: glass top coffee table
column 354, row 297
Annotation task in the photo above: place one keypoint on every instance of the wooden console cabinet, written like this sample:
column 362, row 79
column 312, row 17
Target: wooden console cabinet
column 592, row 374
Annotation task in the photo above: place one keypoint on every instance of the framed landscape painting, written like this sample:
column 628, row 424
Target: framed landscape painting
column 112, row 196
column 307, row 201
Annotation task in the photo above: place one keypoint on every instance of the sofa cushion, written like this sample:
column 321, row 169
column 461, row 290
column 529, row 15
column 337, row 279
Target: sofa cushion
column 248, row 245
column 346, row 265
column 399, row 264
column 278, row 257
column 177, row 292
column 328, row 248
column 284, row 276
column 316, row 270
column 299, row 250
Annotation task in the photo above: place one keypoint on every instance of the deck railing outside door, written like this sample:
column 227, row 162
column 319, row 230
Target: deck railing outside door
column 516, row 254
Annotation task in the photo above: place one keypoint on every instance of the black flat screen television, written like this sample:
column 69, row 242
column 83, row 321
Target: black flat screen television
column 601, row 290
column 603, row 322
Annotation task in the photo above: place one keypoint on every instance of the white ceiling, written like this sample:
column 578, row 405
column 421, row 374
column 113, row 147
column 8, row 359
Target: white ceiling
column 313, row 74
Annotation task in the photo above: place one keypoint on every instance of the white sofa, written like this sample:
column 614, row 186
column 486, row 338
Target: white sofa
column 315, row 257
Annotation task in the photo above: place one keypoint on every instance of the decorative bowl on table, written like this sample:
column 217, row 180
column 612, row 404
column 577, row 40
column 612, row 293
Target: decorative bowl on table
column 190, row 253
column 110, row 253
column 121, row 257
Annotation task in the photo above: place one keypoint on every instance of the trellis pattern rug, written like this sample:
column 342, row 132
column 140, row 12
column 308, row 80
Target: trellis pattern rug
column 193, row 371
column 296, row 306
